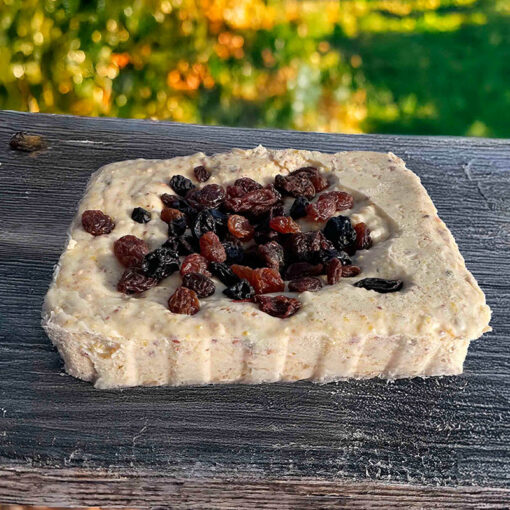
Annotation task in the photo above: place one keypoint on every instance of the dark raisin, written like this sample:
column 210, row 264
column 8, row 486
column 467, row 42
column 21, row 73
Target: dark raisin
column 201, row 173
column 298, row 208
column 302, row 269
column 176, row 202
column 340, row 232
column 255, row 202
column 194, row 263
column 172, row 244
column 224, row 274
column 284, row 225
column 251, row 257
column 181, row 185
column 184, row 301
column 298, row 185
column 306, row 246
column 187, row 244
column 235, row 253
column 325, row 255
column 247, row 184
column 209, row 220
column 130, row 250
column 363, row 239
column 96, row 222
column 201, row 284
column 278, row 306
column 334, row 271
column 240, row 227
column 349, row 271
column 160, row 263
column 211, row 247
column 240, row 290
column 319, row 181
column 133, row 281
column 21, row 141
column 265, row 236
column 141, row 215
column 380, row 285
column 208, row 197
column 272, row 254
column 177, row 227
column 307, row 283
column 169, row 214
column 264, row 280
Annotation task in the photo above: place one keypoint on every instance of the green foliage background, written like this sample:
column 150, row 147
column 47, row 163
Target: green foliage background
column 377, row 66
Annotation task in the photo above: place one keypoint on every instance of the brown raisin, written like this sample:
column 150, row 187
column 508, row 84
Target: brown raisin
column 201, row 284
column 307, row 283
column 130, row 250
column 133, row 281
column 278, row 306
column 334, row 270
column 272, row 254
column 298, row 185
column 307, row 246
column 349, row 271
column 301, row 269
column 211, row 247
column 284, row 225
column 321, row 210
column 319, row 181
column 247, row 184
column 264, row 280
column 255, row 202
column 96, row 222
column 363, row 239
column 240, row 227
column 201, row 173
column 194, row 263
column 168, row 214
column 184, row 301
column 208, row 197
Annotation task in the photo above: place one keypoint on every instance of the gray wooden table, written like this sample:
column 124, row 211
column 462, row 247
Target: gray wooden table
column 360, row 444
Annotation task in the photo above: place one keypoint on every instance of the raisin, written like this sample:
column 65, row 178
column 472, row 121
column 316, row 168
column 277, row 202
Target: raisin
column 201, row 284
column 201, row 173
column 298, row 185
column 264, row 280
column 22, row 141
column 194, row 263
column 130, row 250
column 176, row 202
column 184, row 301
column 141, row 215
column 319, row 182
column 160, row 263
column 247, row 184
column 325, row 255
column 340, row 232
column 96, row 222
column 209, row 220
column 240, row 290
column 302, row 269
column 349, row 271
column 342, row 199
column 380, row 285
column 133, row 281
column 306, row 246
column 307, row 283
column 235, row 253
column 169, row 214
column 177, row 227
column 334, row 271
column 265, row 236
column 272, row 254
column 208, row 197
column 211, row 247
column 284, row 225
column 224, row 274
column 321, row 210
column 183, row 245
column 181, row 185
column 251, row 257
column 298, row 208
column 278, row 306
column 240, row 227
column 255, row 202
column 363, row 239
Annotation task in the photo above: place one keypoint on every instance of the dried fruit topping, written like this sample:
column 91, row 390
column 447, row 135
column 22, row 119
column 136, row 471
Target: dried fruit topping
column 334, row 271
column 169, row 214
column 307, row 283
column 325, row 255
column 240, row 227
column 247, row 184
column 319, row 182
column 130, row 250
column 340, row 232
column 133, row 281
column 201, row 284
column 342, row 199
column 211, row 247
column 298, row 185
column 177, row 227
column 187, row 244
column 235, row 253
column 160, row 263
column 21, row 141
column 255, row 202
column 224, row 274
column 271, row 254
column 176, row 202
column 184, row 301
column 96, row 222
column 321, row 210
column 209, row 220
column 363, row 239
column 208, row 197
column 201, row 173
column 306, row 246
column 181, row 185
column 349, row 271
column 380, row 285
column 141, row 215
column 264, row 280
column 194, row 263
column 278, row 306
column 284, row 225
column 240, row 290
column 298, row 208
column 263, row 236
column 301, row 269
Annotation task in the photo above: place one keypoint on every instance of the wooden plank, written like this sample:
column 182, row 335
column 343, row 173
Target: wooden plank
column 451, row 433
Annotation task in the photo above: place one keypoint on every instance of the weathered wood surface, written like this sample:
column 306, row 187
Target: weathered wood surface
column 426, row 442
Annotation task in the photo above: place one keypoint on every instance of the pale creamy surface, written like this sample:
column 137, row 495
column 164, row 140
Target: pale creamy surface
column 340, row 331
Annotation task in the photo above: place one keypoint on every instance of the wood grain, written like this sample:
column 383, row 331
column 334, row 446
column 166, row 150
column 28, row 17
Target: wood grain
column 420, row 442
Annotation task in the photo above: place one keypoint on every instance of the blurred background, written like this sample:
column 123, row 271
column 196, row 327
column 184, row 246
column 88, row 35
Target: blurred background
column 439, row 67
